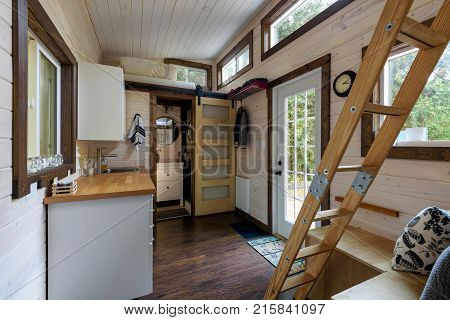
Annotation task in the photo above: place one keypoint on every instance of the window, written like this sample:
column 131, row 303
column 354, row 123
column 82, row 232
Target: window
column 44, row 107
column 197, row 76
column 236, row 62
column 188, row 71
column 44, row 100
column 428, row 121
column 426, row 134
column 290, row 19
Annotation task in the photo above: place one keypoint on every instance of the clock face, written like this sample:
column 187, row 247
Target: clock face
column 343, row 83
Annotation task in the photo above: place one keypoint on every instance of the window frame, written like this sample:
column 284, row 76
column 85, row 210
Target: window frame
column 247, row 40
column 30, row 15
column 195, row 65
column 368, row 129
column 282, row 7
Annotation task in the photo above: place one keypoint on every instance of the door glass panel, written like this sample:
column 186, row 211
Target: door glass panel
column 215, row 193
column 291, row 184
column 291, row 159
column 301, row 137
column 301, row 159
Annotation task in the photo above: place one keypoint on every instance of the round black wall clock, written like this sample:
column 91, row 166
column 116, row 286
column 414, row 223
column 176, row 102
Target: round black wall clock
column 343, row 83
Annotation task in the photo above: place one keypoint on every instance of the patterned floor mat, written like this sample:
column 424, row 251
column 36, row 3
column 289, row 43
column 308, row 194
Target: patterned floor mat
column 271, row 248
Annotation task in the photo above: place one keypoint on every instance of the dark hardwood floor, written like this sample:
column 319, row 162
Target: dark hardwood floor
column 204, row 258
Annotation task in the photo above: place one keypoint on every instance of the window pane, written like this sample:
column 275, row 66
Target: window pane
column 300, row 105
column 182, row 74
column 229, row 70
column 430, row 118
column 311, row 159
column 311, row 102
column 243, row 59
column 291, row 134
column 300, row 13
column 300, row 189
column 300, row 132
column 291, row 159
column 291, row 184
column 47, row 107
column 301, row 159
column 311, row 131
column 198, row 77
column 290, row 107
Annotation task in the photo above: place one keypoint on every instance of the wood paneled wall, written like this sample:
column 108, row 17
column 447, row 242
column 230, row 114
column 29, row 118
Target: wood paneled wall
column 23, row 221
column 404, row 185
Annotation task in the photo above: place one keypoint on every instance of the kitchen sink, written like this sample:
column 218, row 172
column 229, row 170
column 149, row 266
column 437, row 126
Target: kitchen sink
column 114, row 170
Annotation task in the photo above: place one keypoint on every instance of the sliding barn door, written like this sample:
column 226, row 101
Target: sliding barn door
column 214, row 157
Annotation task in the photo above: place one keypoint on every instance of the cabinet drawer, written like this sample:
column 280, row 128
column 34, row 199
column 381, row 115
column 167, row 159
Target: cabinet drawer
column 169, row 190
column 169, row 174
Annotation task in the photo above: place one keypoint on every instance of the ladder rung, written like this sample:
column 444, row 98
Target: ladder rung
column 354, row 168
column 330, row 214
column 313, row 250
column 297, row 280
column 419, row 35
column 380, row 109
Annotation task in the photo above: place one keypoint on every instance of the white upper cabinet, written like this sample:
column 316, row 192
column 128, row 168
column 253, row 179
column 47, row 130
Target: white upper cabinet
column 101, row 103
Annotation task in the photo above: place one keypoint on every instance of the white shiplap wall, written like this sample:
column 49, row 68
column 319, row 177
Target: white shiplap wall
column 404, row 185
column 22, row 221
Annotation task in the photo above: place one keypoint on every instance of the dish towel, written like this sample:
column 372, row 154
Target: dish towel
column 137, row 132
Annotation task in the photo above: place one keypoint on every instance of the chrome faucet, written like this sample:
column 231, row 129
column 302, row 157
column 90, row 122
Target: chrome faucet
column 100, row 158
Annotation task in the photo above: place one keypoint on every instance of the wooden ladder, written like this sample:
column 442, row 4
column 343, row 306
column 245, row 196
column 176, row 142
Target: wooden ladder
column 393, row 24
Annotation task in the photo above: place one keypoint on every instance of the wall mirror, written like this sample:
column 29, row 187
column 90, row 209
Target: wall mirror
column 167, row 130
column 44, row 108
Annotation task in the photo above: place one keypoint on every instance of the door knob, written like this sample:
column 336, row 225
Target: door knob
column 278, row 173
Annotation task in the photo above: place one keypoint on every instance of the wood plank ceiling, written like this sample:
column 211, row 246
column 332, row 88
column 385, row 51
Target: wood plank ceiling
column 185, row 29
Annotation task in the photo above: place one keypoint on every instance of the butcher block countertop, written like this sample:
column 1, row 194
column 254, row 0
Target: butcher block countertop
column 108, row 185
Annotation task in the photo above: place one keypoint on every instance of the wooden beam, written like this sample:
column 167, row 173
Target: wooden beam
column 419, row 35
column 373, row 207
column 385, row 110
column 330, row 214
column 297, row 280
column 313, row 250
column 355, row 168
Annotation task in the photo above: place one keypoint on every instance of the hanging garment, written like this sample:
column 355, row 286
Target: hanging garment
column 137, row 132
column 241, row 128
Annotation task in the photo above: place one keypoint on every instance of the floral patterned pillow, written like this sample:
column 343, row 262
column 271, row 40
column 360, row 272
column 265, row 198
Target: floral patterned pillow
column 423, row 240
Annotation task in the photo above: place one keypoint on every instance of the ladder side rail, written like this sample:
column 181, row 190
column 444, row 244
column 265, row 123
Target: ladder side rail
column 412, row 87
column 384, row 37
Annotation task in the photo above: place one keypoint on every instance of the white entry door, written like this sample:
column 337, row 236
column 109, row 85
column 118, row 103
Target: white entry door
column 296, row 145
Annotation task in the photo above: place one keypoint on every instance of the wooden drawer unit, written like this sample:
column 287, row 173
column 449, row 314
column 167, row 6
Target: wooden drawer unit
column 169, row 181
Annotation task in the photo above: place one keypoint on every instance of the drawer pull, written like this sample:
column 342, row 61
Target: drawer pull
column 168, row 174
column 167, row 187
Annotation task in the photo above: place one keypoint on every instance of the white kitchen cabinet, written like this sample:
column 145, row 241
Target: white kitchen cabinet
column 100, row 249
column 101, row 102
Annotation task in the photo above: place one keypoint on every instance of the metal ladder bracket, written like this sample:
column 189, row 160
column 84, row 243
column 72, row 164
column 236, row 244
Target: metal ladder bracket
column 362, row 182
column 319, row 185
